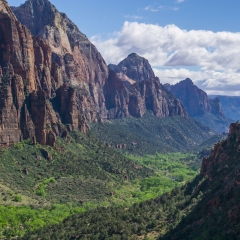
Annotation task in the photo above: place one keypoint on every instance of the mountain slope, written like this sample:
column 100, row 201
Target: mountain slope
column 216, row 216
column 82, row 167
column 200, row 106
column 76, row 60
column 100, row 93
column 149, row 134
column 134, row 67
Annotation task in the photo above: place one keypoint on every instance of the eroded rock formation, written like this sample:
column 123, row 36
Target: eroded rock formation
column 136, row 90
column 76, row 60
column 28, row 83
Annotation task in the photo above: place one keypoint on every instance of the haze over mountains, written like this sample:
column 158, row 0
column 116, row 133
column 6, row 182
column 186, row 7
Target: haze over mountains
column 76, row 134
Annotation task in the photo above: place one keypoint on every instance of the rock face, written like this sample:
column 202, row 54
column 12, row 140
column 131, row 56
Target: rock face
column 194, row 99
column 136, row 99
column 132, row 89
column 223, row 151
column 135, row 67
column 76, row 60
column 230, row 106
column 28, row 84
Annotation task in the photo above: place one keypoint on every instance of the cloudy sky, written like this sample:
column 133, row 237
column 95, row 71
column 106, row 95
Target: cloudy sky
column 199, row 39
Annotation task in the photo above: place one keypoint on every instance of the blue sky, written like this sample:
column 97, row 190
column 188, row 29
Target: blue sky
column 104, row 16
column 199, row 39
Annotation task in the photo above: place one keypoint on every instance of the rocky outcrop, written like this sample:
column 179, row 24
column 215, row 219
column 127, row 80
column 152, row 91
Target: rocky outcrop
column 223, row 152
column 194, row 99
column 124, row 100
column 134, row 67
column 76, row 61
column 137, row 90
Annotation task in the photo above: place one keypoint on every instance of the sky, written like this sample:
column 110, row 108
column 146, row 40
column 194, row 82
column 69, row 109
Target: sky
column 197, row 39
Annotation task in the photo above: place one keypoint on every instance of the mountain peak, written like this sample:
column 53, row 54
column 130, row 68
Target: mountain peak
column 195, row 100
column 133, row 55
column 4, row 8
column 135, row 67
column 187, row 81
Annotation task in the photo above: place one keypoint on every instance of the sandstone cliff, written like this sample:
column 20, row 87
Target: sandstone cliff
column 194, row 99
column 28, row 80
column 76, row 60
column 137, row 90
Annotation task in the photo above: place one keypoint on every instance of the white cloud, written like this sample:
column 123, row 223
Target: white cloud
column 151, row 8
column 215, row 54
column 154, row 8
column 135, row 17
column 180, row 1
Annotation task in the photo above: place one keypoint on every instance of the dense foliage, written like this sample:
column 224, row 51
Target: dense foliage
column 172, row 170
column 205, row 208
column 218, row 123
column 16, row 221
column 41, row 186
column 79, row 168
column 145, row 219
column 149, row 135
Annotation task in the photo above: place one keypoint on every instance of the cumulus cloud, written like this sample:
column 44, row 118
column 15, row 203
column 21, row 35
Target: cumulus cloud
column 173, row 51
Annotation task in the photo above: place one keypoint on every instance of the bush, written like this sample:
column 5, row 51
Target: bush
column 17, row 198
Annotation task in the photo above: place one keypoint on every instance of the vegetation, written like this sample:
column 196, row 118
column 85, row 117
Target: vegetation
column 218, row 123
column 95, row 192
column 205, row 208
column 16, row 221
column 79, row 169
column 140, row 221
column 172, row 170
column 77, row 175
column 150, row 135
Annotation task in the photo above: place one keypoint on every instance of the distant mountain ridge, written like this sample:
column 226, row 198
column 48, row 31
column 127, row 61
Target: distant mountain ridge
column 59, row 78
column 195, row 100
column 230, row 105
column 199, row 105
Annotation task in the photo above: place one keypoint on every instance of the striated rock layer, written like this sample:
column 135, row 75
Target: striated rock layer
column 26, row 85
column 101, row 94
column 76, row 60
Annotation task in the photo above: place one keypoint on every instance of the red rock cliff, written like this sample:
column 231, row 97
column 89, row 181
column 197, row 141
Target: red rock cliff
column 28, row 80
